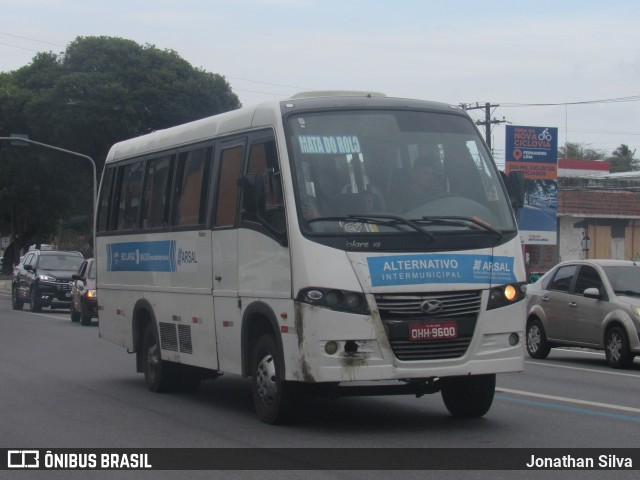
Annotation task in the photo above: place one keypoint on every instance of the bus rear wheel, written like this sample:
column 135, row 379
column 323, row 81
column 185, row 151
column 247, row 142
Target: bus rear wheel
column 469, row 396
column 273, row 397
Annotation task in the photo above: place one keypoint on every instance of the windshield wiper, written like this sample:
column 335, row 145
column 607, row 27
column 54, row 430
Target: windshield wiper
column 458, row 221
column 390, row 220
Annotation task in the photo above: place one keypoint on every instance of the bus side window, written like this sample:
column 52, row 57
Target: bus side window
column 189, row 203
column 105, row 200
column 129, row 197
column 227, row 191
column 155, row 197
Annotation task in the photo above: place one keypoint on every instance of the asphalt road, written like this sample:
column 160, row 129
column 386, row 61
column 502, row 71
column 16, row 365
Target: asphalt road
column 61, row 386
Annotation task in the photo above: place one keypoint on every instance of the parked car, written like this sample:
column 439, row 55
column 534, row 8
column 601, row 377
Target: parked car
column 43, row 279
column 586, row 303
column 84, row 301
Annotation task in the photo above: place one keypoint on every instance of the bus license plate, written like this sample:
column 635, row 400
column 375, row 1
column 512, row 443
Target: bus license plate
column 433, row 331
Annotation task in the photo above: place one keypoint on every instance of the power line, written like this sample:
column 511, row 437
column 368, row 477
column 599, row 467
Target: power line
column 232, row 78
column 631, row 98
column 21, row 48
column 30, row 39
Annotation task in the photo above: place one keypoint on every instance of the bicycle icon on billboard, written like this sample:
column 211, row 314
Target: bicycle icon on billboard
column 545, row 135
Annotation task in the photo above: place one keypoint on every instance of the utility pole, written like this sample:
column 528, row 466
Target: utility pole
column 487, row 122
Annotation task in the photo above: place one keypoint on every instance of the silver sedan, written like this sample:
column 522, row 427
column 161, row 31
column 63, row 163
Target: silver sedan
column 586, row 303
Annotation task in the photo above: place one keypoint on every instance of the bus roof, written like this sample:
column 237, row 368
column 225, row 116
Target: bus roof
column 260, row 115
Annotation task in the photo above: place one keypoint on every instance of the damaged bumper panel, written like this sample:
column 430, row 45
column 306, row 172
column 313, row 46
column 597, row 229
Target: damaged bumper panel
column 363, row 348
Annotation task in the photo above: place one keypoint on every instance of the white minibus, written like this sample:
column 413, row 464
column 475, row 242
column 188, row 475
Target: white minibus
column 334, row 243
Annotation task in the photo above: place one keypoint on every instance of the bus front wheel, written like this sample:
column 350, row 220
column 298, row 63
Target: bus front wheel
column 469, row 396
column 273, row 397
column 160, row 375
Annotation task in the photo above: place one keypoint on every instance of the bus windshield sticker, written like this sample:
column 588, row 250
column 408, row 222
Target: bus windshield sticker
column 457, row 268
column 358, row 227
column 329, row 144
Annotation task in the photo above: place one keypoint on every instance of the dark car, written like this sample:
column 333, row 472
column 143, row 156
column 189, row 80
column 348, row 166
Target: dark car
column 586, row 303
column 84, row 301
column 43, row 279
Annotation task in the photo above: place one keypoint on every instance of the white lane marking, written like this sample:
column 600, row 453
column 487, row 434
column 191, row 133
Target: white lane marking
column 45, row 315
column 568, row 400
column 582, row 352
column 594, row 370
column 51, row 315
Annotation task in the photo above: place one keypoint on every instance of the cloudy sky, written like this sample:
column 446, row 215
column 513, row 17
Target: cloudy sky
column 580, row 59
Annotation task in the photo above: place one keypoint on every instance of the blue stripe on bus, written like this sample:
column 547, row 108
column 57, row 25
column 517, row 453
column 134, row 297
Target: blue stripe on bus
column 440, row 268
column 156, row 256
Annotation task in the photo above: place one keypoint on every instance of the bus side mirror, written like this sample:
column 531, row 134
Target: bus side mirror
column 253, row 199
column 515, row 188
column 254, row 206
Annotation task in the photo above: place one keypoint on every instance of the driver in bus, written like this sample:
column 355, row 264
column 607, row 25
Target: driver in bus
column 423, row 184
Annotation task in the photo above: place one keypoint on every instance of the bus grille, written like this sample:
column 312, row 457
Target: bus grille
column 397, row 311
column 455, row 304
column 176, row 337
column 184, row 334
column 168, row 337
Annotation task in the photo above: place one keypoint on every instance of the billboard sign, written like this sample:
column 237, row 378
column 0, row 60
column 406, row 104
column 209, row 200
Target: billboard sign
column 534, row 151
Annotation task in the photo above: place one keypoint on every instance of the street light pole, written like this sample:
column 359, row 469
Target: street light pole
column 17, row 139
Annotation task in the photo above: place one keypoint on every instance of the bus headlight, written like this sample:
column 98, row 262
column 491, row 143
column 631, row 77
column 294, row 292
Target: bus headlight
column 506, row 295
column 334, row 299
column 510, row 292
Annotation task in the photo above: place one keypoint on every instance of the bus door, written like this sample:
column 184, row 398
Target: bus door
column 224, row 255
column 263, row 253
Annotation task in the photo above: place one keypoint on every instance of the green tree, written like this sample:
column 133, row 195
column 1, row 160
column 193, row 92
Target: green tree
column 579, row 151
column 622, row 160
column 101, row 90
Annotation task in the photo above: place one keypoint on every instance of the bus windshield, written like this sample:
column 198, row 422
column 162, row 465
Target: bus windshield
column 395, row 171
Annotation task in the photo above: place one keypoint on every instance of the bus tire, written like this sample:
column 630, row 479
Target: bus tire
column 469, row 396
column 161, row 376
column 274, row 398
